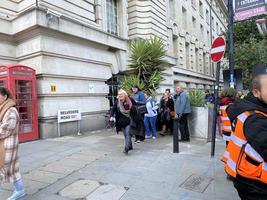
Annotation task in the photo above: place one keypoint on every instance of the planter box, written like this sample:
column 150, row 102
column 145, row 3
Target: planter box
column 200, row 122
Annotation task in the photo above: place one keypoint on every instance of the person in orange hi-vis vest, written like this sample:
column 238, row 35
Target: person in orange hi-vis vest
column 247, row 148
column 227, row 97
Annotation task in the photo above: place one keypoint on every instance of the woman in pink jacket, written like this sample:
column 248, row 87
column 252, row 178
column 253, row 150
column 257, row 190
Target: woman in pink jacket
column 9, row 142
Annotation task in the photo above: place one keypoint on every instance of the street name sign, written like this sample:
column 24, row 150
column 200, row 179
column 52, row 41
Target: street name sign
column 69, row 115
column 245, row 9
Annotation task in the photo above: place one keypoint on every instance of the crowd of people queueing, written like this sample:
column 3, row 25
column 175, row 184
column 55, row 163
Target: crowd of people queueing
column 140, row 115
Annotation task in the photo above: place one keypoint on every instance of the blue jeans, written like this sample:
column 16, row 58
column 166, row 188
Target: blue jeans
column 150, row 122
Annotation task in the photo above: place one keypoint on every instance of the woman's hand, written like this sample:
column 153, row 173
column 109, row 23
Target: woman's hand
column 112, row 119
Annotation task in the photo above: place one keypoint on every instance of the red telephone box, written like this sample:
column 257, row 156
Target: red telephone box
column 21, row 81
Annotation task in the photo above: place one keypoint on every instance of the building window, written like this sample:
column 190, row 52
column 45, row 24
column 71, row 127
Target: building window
column 204, row 62
column 208, row 67
column 187, row 54
column 112, row 17
column 194, row 23
column 197, row 59
column 208, row 38
column 172, row 9
column 212, row 22
column 207, row 17
column 175, row 45
column 184, row 18
column 194, row 3
column 202, row 30
column 201, row 9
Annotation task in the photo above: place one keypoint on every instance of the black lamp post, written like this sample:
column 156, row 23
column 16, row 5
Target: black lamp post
column 231, row 41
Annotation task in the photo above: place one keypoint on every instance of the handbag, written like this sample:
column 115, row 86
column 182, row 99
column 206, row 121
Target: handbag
column 168, row 116
column 172, row 113
column 2, row 154
column 142, row 109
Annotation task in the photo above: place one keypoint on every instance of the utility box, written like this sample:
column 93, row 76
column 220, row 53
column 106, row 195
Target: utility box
column 21, row 81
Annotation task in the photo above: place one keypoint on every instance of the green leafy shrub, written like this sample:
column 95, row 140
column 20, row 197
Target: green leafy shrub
column 228, row 92
column 197, row 98
column 131, row 80
column 146, row 63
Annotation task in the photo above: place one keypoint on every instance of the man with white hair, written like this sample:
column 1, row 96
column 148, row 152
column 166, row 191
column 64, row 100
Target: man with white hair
column 182, row 109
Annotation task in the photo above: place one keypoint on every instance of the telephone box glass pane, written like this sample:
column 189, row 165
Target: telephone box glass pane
column 2, row 83
column 24, row 105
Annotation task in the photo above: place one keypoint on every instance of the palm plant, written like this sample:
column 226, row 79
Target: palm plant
column 131, row 80
column 197, row 98
column 146, row 63
column 228, row 92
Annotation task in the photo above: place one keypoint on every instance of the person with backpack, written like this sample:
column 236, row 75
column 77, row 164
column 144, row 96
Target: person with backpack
column 151, row 116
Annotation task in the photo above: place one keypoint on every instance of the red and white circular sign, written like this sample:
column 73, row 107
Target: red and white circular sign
column 217, row 49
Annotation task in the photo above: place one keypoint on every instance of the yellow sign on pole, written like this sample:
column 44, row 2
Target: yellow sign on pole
column 53, row 88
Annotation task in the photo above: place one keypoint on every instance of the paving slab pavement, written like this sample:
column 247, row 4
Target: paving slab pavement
column 150, row 172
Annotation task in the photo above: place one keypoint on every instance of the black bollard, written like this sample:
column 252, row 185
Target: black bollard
column 175, row 135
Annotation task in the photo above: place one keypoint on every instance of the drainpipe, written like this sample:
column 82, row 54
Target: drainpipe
column 36, row 3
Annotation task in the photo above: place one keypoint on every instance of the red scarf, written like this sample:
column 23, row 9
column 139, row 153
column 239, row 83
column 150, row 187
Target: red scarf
column 122, row 108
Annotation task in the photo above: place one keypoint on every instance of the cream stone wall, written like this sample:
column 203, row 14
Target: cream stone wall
column 68, row 45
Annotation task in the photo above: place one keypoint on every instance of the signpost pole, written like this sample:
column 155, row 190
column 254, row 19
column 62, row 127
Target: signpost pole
column 58, row 129
column 231, row 41
column 216, row 94
column 79, row 128
column 216, row 53
column 58, row 124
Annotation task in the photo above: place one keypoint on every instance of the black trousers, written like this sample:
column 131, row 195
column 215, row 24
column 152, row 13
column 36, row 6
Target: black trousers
column 184, row 127
column 249, row 191
column 127, row 138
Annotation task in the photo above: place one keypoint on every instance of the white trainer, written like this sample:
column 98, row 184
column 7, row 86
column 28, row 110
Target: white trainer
column 17, row 194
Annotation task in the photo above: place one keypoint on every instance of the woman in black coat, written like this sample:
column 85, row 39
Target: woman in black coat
column 166, row 108
column 120, row 113
column 136, row 122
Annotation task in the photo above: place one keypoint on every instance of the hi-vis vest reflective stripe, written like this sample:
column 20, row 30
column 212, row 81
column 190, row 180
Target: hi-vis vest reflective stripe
column 226, row 123
column 242, row 159
column 227, row 129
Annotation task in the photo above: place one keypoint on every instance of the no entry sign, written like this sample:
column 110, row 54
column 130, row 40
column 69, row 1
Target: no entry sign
column 217, row 49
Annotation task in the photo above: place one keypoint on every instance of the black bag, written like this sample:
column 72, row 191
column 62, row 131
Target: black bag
column 142, row 109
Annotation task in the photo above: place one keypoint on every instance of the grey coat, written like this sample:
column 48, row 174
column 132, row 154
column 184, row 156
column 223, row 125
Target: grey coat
column 182, row 104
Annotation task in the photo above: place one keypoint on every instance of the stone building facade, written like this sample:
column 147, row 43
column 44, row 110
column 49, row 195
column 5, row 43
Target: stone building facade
column 77, row 45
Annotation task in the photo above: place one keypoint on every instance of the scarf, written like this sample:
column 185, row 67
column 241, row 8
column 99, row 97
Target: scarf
column 3, row 109
column 5, row 106
column 121, row 105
